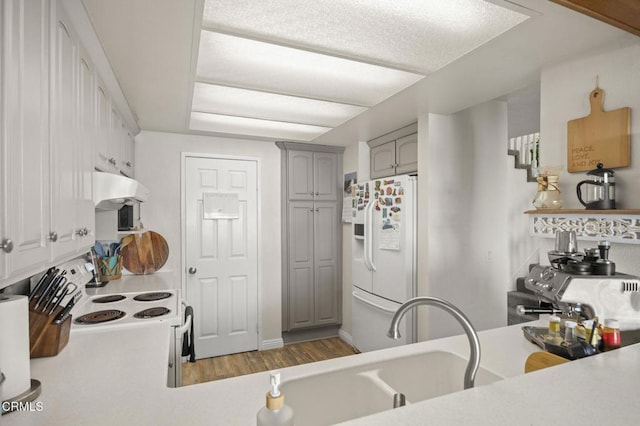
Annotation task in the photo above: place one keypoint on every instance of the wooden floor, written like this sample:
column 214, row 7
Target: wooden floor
column 223, row 367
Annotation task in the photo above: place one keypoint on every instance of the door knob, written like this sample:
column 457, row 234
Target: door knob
column 192, row 270
column 53, row 236
column 6, row 245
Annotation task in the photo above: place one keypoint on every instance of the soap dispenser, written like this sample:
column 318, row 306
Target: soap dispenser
column 276, row 413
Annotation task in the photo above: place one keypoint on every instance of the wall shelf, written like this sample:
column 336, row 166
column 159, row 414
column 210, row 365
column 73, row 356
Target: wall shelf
column 617, row 226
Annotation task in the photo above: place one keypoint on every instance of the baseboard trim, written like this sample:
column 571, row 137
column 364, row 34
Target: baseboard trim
column 310, row 334
column 345, row 336
column 271, row 344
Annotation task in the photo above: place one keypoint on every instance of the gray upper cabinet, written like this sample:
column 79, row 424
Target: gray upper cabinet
column 312, row 175
column 395, row 153
column 407, row 154
column 383, row 159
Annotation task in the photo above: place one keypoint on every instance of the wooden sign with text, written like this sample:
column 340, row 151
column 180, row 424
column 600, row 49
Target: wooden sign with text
column 601, row 137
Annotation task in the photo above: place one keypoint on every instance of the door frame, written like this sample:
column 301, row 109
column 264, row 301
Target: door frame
column 183, row 224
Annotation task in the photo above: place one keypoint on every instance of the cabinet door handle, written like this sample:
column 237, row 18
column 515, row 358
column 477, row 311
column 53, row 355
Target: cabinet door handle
column 80, row 233
column 311, row 209
column 317, row 209
column 311, row 193
column 53, row 236
column 86, row 231
column 317, row 193
column 6, row 245
column 192, row 270
column 128, row 163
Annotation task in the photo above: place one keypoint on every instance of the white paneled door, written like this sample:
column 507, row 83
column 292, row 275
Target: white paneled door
column 221, row 253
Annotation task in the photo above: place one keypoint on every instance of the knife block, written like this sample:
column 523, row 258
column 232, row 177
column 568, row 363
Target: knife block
column 45, row 337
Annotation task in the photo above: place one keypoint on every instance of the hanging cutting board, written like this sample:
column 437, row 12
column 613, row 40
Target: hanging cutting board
column 144, row 253
column 540, row 360
column 601, row 137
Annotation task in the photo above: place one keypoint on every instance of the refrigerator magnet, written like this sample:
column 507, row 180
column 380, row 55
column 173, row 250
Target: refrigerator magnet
column 384, row 213
column 388, row 201
column 398, row 200
column 395, row 209
column 401, row 191
column 377, row 206
column 389, row 191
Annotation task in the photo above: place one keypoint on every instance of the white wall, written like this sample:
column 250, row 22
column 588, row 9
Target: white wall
column 158, row 166
column 565, row 89
column 463, row 209
column 349, row 164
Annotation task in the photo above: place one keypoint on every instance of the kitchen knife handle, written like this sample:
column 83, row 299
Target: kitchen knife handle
column 41, row 281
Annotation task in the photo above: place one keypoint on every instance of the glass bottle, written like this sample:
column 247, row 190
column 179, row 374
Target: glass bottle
column 611, row 334
column 548, row 195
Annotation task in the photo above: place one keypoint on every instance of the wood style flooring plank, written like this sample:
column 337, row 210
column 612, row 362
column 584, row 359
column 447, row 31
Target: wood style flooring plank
column 226, row 366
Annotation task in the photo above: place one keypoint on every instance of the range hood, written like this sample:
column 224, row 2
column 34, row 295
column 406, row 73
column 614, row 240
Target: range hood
column 111, row 191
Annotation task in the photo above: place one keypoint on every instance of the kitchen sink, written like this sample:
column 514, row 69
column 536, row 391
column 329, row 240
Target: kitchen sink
column 431, row 374
column 347, row 394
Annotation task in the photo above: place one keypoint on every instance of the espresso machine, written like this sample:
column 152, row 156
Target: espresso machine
column 583, row 287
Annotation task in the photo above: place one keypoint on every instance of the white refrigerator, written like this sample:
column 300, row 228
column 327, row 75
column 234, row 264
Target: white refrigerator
column 384, row 260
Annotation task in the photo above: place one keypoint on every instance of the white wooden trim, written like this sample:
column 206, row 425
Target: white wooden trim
column 265, row 345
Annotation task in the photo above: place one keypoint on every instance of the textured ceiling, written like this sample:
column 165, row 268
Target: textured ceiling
column 152, row 46
column 353, row 52
column 415, row 35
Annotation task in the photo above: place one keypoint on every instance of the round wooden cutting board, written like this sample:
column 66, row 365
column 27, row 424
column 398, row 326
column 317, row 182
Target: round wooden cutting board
column 144, row 253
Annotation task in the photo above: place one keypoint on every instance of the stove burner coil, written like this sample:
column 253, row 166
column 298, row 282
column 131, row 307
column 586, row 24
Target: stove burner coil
column 100, row 317
column 152, row 312
column 152, row 297
column 109, row 299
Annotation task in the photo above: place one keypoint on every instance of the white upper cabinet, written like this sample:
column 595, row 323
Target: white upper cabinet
column 64, row 136
column 25, row 139
column 87, row 133
column 127, row 162
column 104, row 160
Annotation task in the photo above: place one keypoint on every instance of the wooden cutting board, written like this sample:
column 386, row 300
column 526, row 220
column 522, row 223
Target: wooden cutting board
column 144, row 253
column 540, row 360
column 601, row 137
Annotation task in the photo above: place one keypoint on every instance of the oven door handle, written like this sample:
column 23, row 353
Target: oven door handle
column 186, row 325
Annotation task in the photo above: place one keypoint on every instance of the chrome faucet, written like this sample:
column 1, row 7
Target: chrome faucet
column 474, row 342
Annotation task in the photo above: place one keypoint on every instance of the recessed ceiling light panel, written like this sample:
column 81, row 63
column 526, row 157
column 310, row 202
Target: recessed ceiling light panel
column 270, row 106
column 252, row 127
column 242, row 62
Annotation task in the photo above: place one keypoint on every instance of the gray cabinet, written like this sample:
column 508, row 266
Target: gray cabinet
column 312, row 252
column 312, row 175
column 395, row 153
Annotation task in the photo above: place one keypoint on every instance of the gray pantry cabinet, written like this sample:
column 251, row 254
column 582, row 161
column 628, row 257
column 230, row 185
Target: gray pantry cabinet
column 312, row 253
column 395, row 153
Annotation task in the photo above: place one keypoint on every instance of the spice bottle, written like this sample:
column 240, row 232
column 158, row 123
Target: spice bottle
column 570, row 332
column 554, row 325
column 611, row 334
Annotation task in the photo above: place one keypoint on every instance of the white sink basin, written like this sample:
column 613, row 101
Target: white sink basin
column 431, row 374
column 342, row 395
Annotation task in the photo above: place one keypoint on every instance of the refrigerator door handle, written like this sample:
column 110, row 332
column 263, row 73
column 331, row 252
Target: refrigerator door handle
column 369, row 235
column 366, row 238
column 375, row 305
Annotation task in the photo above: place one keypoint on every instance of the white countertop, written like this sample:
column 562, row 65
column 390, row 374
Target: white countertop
column 119, row 377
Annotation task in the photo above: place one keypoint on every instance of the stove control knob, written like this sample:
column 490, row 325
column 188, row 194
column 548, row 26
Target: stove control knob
column 192, row 270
